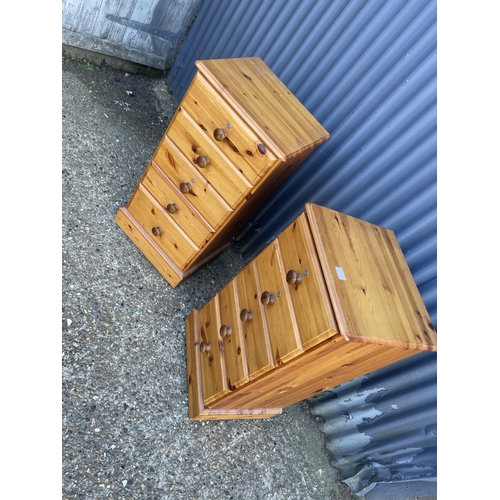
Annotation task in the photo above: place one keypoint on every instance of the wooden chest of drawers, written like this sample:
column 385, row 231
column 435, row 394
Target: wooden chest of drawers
column 330, row 299
column 237, row 135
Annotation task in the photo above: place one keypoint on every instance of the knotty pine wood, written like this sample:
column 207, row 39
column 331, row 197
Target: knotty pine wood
column 244, row 169
column 311, row 303
column 329, row 365
column 282, row 326
column 214, row 383
column 255, row 331
column 203, row 196
column 155, row 255
column 378, row 301
column 229, row 182
column 186, row 215
column 235, row 356
column 275, row 178
column 265, row 103
column 196, row 408
column 173, row 240
column 211, row 111
column 320, row 240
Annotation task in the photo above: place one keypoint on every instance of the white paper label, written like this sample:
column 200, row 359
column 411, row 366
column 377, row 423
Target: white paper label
column 340, row 273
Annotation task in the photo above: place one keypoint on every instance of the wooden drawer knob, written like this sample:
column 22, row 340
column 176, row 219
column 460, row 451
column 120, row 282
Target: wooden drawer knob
column 220, row 134
column 202, row 161
column 293, row 277
column 225, row 330
column 186, row 187
column 157, row 231
column 246, row 315
column 205, row 347
column 267, row 298
column 172, row 208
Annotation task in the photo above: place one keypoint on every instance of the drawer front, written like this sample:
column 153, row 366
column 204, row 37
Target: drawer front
column 279, row 314
column 311, row 303
column 192, row 142
column 258, row 346
column 177, row 206
column 211, row 352
column 227, row 130
column 195, row 187
column 232, row 337
column 160, row 227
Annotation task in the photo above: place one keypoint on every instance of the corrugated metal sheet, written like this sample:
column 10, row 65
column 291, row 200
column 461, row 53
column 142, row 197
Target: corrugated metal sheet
column 148, row 32
column 383, row 427
column 367, row 72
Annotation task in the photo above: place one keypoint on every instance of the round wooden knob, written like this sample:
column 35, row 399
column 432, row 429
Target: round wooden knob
column 157, row 231
column 225, row 330
column 293, row 277
column 172, row 208
column 186, row 187
column 220, row 134
column 246, row 315
column 205, row 347
column 202, row 161
column 267, row 298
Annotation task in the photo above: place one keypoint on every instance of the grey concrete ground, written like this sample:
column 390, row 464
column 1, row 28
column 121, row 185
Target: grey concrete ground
column 125, row 428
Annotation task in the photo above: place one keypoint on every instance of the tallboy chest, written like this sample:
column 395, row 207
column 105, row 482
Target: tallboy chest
column 236, row 136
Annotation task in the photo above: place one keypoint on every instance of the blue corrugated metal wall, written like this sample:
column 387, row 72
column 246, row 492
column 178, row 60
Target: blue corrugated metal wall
column 382, row 428
column 367, row 71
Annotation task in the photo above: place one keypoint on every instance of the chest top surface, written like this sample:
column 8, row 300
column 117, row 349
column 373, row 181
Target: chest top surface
column 370, row 284
column 260, row 97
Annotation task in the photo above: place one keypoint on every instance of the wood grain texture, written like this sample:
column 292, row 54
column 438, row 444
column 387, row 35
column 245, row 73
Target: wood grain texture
column 186, row 215
column 173, row 240
column 196, row 407
column 356, row 308
column 209, row 414
column 222, row 175
column 195, row 398
column 332, row 363
column 311, row 302
column 210, row 111
column 280, row 320
column 378, row 301
column 159, row 259
column 257, row 150
column 260, row 97
column 255, row 331
column 274, row 178
column 212, row 365
column 235, row 356
column 203, row 196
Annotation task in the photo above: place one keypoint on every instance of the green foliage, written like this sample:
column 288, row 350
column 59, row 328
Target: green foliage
column 85, row 63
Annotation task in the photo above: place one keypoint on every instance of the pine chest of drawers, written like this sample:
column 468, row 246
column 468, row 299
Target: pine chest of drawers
column 330, row 299
column 237, row 134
